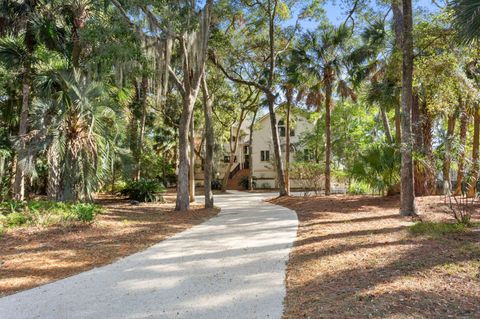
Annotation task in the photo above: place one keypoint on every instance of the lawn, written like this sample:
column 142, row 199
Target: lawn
column 32, row 256
column 355, row 257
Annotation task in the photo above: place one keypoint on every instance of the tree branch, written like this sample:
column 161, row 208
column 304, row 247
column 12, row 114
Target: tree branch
column 177, row 81
column 217, row 63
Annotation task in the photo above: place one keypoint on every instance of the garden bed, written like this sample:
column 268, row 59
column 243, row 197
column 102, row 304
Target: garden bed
column 355, row 257
column 32, row 256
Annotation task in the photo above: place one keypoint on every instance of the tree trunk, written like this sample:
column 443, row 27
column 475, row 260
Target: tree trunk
column 191, row 181
column 76, row 48
column 276, row 145
column 192, row 76
column 398, row 30
column 287, row 147
column 209, row 145
column 407, row 194
column 472, row 188
column 53, row 182
column 250, row 151
column 447, row 180
column 328, row 133
column 19, row 184
column 183, row 198
column 386, row 125
column 2, row 174
column 133, row 130
column 430, row 169
column 143, row 99
column 461, row 155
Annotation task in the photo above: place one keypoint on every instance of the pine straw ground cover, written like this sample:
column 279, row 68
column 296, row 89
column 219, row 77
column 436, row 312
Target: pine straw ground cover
column 30, row 257
column 355, row 258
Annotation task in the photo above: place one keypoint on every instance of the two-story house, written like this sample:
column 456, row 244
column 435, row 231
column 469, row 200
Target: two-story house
column 261, row 160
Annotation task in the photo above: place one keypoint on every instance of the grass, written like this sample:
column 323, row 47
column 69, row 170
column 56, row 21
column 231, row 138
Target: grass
column 437, row 229
column 15, row 214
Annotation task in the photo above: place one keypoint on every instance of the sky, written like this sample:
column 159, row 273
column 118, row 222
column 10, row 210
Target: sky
column 337, row 13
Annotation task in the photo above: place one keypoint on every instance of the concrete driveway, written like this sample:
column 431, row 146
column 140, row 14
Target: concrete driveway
column 232, row 266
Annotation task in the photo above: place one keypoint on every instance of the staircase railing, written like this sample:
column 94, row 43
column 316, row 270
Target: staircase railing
column 235, row 171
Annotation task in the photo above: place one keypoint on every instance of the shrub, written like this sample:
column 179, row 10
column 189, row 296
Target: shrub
column 358, row 188
column 85, row 212
column 378, row 166
column 309, row 176
column 245, row 182
column 144, row 190
column 16, row 219
column 45, row 213
column 265, row 186
column 216, row 184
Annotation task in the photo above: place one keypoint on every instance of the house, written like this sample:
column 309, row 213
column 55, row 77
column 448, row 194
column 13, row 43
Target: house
column 261, row 160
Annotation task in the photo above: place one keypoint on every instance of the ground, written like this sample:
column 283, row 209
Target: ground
column 30, row 257
column 231, row 266
column 355, row 258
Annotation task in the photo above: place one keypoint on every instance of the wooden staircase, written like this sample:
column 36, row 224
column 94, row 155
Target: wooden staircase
column 235, row 179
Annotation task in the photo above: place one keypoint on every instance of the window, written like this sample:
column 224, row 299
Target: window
column 281, row 128
column 245, row 150
column 226, row 158
column 292, row 132
column 264, row 156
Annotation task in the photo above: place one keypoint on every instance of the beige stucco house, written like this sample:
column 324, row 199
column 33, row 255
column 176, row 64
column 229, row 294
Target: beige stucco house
column 261, row 160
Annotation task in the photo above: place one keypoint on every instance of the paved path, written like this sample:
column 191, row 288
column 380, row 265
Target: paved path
column 232, row 266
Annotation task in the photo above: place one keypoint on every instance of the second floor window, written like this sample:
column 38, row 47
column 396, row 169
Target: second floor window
column 264, row 156
column 281, row 128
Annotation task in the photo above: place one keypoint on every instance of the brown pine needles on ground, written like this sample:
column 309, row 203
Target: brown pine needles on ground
column 355, row 258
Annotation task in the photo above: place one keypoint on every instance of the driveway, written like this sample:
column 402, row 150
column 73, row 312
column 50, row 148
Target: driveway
column 232, row 266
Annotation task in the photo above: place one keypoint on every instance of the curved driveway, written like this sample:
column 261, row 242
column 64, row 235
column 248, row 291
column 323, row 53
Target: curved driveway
column 232, row 266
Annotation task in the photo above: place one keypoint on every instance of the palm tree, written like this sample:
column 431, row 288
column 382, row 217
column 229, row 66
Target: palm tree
column 322, row 55
column 77, row 133
column 466, row 14
column 21, row 57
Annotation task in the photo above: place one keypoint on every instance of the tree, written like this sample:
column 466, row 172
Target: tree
column 193, row 47
column 407, row 193
column 263, row 37
column 22, row 56
column 322, row 54
column 466, row 19
column 209, row 143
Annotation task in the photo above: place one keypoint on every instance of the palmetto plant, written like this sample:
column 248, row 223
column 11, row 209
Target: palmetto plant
column 467, row 19
column 77, row 133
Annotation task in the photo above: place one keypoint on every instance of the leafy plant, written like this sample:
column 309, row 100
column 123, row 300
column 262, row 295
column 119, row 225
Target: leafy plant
column 245, row 182
column 45, row 213
column 461, row 207
column 216, row 184
column 378, row 167
column 310, row 176
column 358, row 188
column 144, row 190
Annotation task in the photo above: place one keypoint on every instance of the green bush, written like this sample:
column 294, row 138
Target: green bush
column 378, row 167
column 85, row 212
column 358, row 188
column 16, row 219
column 144, row 190
column 216, row 184
column 45, row 213
column 245, row 182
